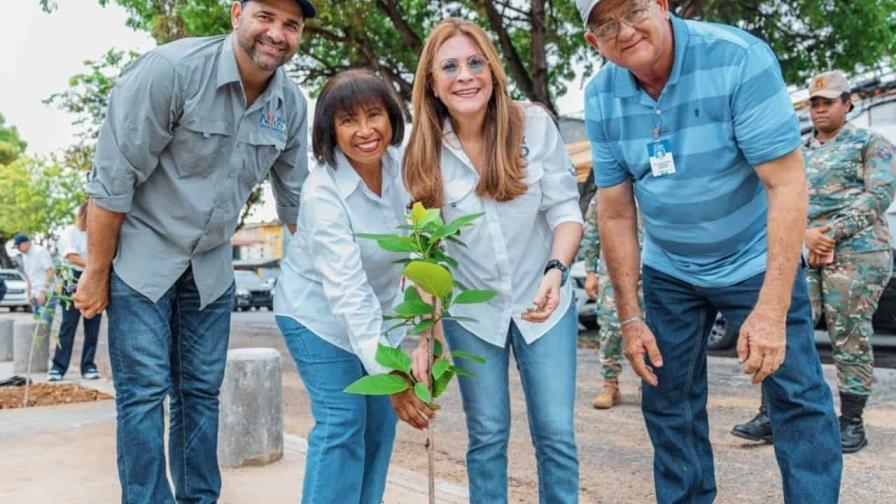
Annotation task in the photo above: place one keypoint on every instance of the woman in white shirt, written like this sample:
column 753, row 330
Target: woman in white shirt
column 473, row 149
column 73, row 248
column 334, row 288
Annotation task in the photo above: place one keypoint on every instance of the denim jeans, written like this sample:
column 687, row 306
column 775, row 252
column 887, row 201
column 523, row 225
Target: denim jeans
column 70, row 318
column 167, row 348
column 350, row 445
column 807, row 438
column 547, row 370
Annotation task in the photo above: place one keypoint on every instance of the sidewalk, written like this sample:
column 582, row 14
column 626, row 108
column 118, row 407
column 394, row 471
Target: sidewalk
column 66, row 454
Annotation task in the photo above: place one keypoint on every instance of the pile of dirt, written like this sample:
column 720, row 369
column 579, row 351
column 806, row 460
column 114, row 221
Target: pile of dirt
column 48, row 394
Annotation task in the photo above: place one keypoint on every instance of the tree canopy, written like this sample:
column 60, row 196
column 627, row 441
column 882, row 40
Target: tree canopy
column 11, row 144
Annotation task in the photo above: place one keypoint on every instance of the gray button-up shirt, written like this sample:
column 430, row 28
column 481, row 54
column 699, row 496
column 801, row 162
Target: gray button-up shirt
column 179, row 153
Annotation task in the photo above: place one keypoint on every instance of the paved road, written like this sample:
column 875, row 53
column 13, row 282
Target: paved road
column 614, row 451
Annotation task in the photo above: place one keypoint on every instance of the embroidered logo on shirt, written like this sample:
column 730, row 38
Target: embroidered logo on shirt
column 274, row 122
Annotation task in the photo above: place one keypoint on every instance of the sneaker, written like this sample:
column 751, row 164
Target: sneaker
column 757, row 429
column 54, row 375
column 852, row 434
column 90, row 374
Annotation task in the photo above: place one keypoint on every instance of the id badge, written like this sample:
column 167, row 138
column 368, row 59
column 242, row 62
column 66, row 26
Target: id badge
column 660, row 154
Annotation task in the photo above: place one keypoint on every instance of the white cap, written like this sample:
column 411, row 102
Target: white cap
column 585, row 7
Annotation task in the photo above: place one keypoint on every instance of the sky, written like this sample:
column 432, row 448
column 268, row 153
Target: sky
column 42, row 51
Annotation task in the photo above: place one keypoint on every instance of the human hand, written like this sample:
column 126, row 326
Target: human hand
column 818, row 260
column 762, row 343
column 420, row 361
column 547, row 298
column 92, row 294
column 637, row 341
column 411, row 410
column 819, row 242
column 591, row 284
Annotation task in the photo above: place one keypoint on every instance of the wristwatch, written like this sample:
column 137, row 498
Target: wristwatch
column 564, row 271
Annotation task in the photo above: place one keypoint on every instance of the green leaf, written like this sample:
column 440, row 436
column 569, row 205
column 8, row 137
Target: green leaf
column 393, row 358
column 474, row 296
column 439, row 367
column 374, row 236
column 441, row 383
column 396, row 326
column 438, row 255
column 402, row 261
column 411, row 294
column 460, row 354
column 457, row 241
column 437, row 350
column 423, row 326
column 432, row 278
column 413, row 309
column 450, row 229
column 459, row 371
column 423, row 392
column 397, row 244
column 378, row 384
column 459, row 318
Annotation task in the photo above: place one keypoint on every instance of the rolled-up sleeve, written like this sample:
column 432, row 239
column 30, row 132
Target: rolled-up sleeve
column 337, row 257
column 559, row 193
column 291, row 169
column 138, row 126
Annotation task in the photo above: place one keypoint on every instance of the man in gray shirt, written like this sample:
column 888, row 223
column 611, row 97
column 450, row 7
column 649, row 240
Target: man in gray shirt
column 192, row 127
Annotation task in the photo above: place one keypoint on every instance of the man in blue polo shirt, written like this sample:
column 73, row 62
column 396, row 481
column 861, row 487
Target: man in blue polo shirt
column 694, row 121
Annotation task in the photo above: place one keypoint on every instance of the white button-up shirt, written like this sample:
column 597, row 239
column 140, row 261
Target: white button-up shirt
column 507, row 249
column 73, row 241
column 336, row 285
column 36, row 263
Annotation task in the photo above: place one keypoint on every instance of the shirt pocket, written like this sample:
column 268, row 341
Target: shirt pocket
column 525, row 207
column 200, row 146
column 261, row 151
column 460, row 199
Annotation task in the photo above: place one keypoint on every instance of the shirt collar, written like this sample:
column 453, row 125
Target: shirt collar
column 228, row 72
column 348, row 180
column 624, row 82
column 845, row 132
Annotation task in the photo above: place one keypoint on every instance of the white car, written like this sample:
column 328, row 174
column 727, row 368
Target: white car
column 16, row 290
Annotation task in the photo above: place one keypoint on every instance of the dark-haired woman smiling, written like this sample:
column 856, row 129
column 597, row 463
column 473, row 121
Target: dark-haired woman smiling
column 334, row 289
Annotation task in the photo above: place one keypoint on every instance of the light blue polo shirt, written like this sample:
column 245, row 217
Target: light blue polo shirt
column 724, row 110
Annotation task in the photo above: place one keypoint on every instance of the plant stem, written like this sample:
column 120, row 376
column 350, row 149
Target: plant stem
column 28, row 366
column 430, row 432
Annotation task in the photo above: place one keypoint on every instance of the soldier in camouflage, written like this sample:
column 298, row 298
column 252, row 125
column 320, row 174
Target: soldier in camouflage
column 598, row 286
column 852, row 177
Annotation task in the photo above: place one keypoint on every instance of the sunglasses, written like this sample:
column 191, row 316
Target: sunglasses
column 450, row 67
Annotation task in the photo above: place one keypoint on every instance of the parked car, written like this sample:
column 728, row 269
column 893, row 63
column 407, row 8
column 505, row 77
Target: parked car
column 251, row 292
column 16, row 290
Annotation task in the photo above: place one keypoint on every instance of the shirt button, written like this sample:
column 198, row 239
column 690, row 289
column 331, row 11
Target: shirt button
column 659, row 112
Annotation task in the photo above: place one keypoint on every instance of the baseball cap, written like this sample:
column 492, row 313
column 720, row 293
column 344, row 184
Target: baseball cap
column 829, row 85
column 308, row 9
column 585, row 7
column 20, row 238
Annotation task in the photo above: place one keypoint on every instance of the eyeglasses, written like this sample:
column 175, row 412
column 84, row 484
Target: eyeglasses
column 632, row 17
column 450, row 67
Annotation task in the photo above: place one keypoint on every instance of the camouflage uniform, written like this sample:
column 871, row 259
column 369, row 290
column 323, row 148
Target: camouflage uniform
column 610, row 334
column 851, row 184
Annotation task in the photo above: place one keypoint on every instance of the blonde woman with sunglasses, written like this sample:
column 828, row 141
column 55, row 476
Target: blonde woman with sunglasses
column 474, row 150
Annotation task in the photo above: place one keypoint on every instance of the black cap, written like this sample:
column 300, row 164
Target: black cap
column 308, row 9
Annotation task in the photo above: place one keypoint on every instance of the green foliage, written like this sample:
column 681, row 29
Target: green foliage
column 38, row 195
column 378, row 384
column 11, row 144
column 429, row 270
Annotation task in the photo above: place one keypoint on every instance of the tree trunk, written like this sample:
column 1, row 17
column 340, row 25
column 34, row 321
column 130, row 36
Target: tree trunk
column 540, row 91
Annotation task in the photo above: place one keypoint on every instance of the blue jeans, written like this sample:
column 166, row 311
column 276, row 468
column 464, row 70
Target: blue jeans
column 350, row 445
column 807, row 437
column 547, row 370
column 167, row 348
column 70, row 318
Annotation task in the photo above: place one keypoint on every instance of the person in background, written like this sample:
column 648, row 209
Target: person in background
column 599, row 288
column 475, row 150
column 38, row 269
column 334, row 289
column 73, row 249
column 852, row 177
column 693, row 121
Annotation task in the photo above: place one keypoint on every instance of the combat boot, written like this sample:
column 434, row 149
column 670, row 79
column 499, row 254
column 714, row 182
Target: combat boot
column 757, row 429
column 609, row 395
column 852, row 429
